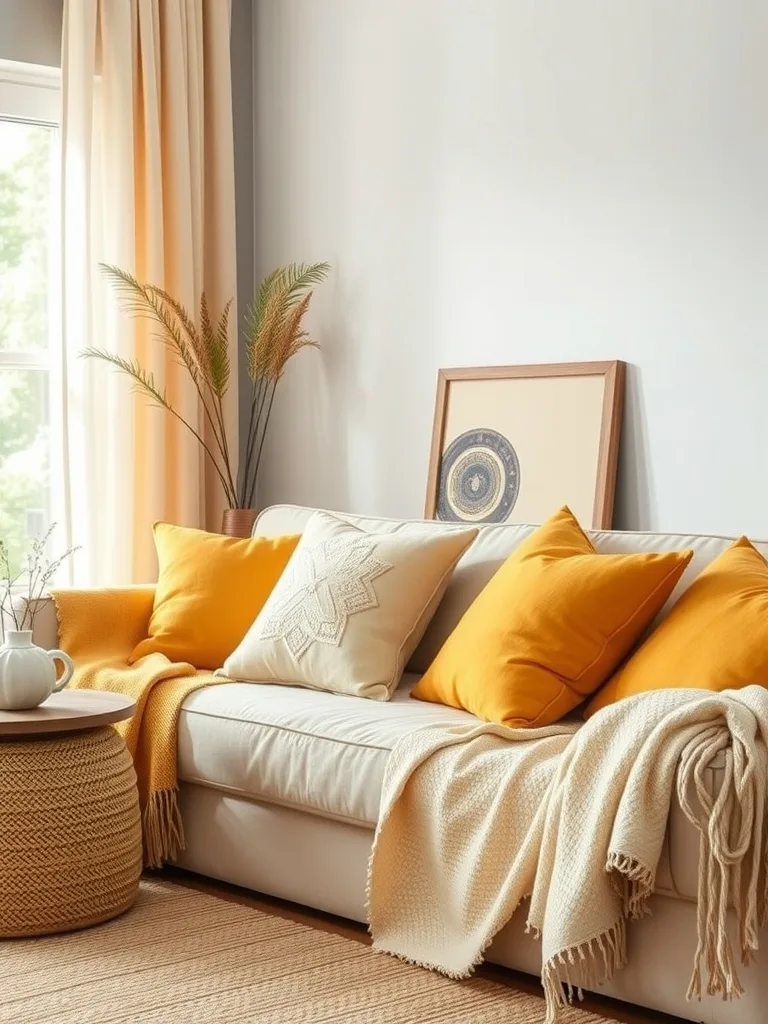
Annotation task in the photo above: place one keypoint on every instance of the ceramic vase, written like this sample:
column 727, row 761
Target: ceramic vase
column 28, row 673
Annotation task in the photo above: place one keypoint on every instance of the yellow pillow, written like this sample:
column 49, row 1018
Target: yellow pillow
column 209, row 590
column 549, row 627
column 715, row 637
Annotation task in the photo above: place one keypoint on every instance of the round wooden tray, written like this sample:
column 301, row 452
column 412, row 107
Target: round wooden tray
column 68, row 711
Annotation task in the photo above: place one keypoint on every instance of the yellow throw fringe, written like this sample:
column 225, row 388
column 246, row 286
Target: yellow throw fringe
column 99, row 629
column 163, row 828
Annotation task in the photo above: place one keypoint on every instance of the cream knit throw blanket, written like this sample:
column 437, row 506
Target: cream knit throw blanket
column 476, row 818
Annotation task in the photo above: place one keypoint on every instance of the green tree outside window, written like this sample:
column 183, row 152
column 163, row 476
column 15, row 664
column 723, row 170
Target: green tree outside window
column 25, row 219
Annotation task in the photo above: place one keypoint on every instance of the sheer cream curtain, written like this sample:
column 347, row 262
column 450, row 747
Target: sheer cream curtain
column 148, row 185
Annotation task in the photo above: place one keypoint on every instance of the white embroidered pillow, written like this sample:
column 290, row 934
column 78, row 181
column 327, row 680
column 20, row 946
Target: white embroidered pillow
column 350, row 607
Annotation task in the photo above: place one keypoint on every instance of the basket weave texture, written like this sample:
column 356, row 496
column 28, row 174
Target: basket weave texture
column 70, row 832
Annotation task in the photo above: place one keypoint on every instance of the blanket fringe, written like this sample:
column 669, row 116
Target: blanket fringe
column 713, row 945
column 162, row 827
column 587, row 965
column 732, row 835
column 633, row 882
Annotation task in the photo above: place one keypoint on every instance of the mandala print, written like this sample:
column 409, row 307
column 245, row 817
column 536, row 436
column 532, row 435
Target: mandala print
column 321, row 587
column 479, row 478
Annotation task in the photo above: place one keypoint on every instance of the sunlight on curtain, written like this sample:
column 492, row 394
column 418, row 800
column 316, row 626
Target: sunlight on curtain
column 148, row 185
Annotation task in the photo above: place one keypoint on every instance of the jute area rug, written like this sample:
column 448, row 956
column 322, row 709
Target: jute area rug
column 185, row 956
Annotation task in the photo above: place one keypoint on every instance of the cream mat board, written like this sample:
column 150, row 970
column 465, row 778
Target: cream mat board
column 185, row 956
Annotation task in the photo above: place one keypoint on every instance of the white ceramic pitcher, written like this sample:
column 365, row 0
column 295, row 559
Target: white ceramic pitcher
column 28, row 673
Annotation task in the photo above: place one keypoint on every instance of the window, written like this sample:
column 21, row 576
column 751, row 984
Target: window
column 29, row 245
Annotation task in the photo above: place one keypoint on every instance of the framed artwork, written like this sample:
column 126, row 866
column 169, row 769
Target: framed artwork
column 515, row 443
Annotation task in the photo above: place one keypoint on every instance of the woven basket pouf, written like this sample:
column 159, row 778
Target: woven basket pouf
column 70, row 832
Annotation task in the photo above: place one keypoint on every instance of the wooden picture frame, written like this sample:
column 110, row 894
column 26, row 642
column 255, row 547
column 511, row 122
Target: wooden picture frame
column 566, row 422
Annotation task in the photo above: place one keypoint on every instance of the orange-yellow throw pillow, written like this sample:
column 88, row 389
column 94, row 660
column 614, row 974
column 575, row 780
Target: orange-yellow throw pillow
column 715, row 637
column 549, row 627
column 210, row 588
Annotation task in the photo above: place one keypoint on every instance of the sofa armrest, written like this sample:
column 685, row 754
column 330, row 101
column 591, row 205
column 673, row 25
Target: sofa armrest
column 46, row 629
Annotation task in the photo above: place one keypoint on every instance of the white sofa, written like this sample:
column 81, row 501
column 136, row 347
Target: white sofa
column 280, row 787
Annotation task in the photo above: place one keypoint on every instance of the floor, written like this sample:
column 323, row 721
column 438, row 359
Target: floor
column 620, row 1012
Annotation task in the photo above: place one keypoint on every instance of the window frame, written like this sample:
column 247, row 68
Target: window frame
column 30, row 92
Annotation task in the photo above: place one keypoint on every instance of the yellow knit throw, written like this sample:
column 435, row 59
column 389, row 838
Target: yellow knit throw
column 99, row 629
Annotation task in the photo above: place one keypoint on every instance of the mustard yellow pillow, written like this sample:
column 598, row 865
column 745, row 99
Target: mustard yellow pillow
column 715, row 637
column 549, row 627
column 210, row 588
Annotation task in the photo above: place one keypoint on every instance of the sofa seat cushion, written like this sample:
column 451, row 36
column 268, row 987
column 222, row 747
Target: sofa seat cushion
column 316, row 751
column 325, row 754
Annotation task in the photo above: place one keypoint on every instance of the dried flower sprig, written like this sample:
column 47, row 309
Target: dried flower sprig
column 35, row 578
column 273, row 336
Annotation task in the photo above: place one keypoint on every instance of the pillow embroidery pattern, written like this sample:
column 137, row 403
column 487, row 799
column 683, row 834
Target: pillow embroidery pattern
column 321, row 587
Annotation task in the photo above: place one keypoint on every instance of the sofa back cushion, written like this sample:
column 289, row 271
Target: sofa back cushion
column 490, row 550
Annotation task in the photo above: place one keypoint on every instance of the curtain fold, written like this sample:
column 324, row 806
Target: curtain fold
column 148, row 185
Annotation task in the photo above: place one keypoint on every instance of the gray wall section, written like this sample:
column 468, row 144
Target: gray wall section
column 242, row 111
column 30, row 31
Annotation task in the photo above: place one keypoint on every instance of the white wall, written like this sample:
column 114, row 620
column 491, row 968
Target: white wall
column 508, row 181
